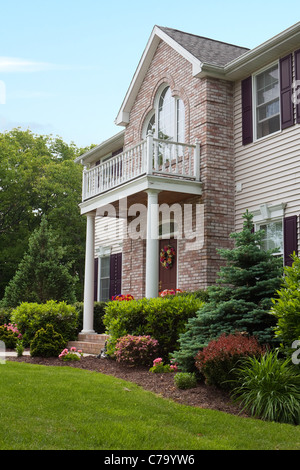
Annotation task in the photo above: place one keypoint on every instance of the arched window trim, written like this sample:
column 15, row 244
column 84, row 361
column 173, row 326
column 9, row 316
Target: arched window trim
column 178, row 134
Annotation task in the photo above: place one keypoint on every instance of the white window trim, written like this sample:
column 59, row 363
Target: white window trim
column 254, row 101
column 102, row 252
column 267, row 214
column 155, row 111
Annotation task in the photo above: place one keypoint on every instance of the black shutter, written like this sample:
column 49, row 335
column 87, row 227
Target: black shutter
column 297, row 77
column 247, row 124
column 286, row 103
column 115, row 284
column 290, row 239
column 95, row 279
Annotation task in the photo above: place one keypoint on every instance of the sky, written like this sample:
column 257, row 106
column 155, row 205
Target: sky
column 65, row 66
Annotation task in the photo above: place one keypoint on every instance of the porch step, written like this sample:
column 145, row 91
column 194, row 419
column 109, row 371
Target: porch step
column 89, row 343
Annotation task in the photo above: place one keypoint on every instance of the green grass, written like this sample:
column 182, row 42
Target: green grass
column 64, row 408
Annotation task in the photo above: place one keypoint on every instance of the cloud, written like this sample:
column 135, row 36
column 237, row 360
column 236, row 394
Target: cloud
column 14, row 64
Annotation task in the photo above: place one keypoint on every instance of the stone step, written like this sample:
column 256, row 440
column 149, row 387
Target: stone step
column 89, row 343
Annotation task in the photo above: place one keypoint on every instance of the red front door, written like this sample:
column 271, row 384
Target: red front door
column 168, row 277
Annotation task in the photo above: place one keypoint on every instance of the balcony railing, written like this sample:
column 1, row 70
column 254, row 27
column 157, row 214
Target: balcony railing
column 150, row 157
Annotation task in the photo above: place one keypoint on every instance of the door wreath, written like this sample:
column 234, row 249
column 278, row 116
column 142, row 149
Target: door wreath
column 167, row 256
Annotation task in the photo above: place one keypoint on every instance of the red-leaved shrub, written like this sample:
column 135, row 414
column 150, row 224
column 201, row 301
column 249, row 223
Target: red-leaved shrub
column 136, row 350
column 220, row 356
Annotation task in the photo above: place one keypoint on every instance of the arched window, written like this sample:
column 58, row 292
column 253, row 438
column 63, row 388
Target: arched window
column 167, row 121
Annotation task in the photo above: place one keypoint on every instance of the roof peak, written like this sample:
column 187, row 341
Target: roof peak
column 166, row 28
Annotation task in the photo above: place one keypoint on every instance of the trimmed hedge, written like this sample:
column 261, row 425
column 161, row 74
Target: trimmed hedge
column 164, row 319
column 31, row 317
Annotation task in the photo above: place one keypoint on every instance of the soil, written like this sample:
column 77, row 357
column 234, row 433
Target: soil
column 202, row 396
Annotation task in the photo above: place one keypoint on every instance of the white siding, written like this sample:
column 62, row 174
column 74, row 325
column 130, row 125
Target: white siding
column 108, row 233
column 268, row 169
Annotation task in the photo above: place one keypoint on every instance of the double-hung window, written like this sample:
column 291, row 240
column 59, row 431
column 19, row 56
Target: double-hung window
column 267, row 102
column 267, row 99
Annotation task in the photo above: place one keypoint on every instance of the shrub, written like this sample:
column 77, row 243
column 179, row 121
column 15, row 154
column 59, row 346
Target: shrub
column 10, row 335
column 136, row 350
column 216, row 361
column 162, row 318
column 47, row 342
column 269, row 388
column 287, row 306
column 5, row 314
column 185, row 380
column 32, row 317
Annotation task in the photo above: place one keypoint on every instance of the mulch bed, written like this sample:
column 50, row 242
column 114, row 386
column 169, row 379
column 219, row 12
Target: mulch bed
column 202, row 396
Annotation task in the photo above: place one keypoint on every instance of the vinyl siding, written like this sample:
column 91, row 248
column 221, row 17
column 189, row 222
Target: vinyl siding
column 267, row 169
column 108, row 232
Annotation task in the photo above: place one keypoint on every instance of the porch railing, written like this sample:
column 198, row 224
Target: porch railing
column 151, row 156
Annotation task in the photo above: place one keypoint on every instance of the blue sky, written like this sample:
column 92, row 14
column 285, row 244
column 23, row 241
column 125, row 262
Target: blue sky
column 66, row 65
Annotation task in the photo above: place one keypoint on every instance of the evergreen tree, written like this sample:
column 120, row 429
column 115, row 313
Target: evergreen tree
column 41, row 275
column 241, row 299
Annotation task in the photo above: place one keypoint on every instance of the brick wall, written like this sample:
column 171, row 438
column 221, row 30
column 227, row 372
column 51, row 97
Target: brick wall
column 209, row 117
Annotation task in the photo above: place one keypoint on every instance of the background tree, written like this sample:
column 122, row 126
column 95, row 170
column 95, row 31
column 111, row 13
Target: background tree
column 38, row 176
column 242, row 298
column 41, row 275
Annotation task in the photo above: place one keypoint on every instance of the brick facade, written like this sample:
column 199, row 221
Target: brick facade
column 208, row 117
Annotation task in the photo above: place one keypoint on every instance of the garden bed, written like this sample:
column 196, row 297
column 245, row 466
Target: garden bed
column 202, row 396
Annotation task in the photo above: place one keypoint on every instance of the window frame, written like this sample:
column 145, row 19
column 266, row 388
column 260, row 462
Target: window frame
column 259, row 225
column 155, row 112
column 255, row 104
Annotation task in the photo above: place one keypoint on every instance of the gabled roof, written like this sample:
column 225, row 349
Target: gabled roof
column 208, row 51
column 209, row 58
column 195, row 49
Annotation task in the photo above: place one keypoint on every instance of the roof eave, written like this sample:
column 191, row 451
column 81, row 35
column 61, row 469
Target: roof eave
column 254, row 59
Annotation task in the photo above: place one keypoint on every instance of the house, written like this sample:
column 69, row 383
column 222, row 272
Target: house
column 209, row 129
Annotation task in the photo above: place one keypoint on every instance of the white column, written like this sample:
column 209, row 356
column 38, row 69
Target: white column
column 88, row 307
column 152, row 244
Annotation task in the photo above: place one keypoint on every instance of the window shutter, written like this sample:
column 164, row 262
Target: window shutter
column 286, row 103
column 115, row 284
column 95, row 279
column 297, row 77
column 290, row 239
column 247, row 124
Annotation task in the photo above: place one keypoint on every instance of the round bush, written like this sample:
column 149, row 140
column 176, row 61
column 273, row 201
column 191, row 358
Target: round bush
column 217, row 360
column 47, row 343
column 185, row 380
column 136, row 350
column 30, row 317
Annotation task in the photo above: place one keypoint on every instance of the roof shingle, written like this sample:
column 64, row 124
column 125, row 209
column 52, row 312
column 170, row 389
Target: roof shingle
column 206, row 50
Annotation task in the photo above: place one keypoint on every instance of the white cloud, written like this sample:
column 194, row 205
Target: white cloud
column 14, row 64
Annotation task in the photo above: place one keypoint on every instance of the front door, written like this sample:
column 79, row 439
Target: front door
column 168, row 277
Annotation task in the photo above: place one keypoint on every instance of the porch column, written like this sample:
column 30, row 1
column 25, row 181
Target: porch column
column 152, row 244
column 88, row 306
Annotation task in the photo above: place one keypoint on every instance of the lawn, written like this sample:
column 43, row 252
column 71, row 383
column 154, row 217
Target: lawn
column 63, row 408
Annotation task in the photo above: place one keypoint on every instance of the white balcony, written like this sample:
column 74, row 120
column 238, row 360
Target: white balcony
column 172, row 160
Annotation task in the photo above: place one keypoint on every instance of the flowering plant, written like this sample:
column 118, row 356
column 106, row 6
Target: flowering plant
column 10, row 334
column 136, row 350
column 165, row 292
column 72, row 355
column 167, row 256
column 13, row 327
column 159, row 366
column 121, row 297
